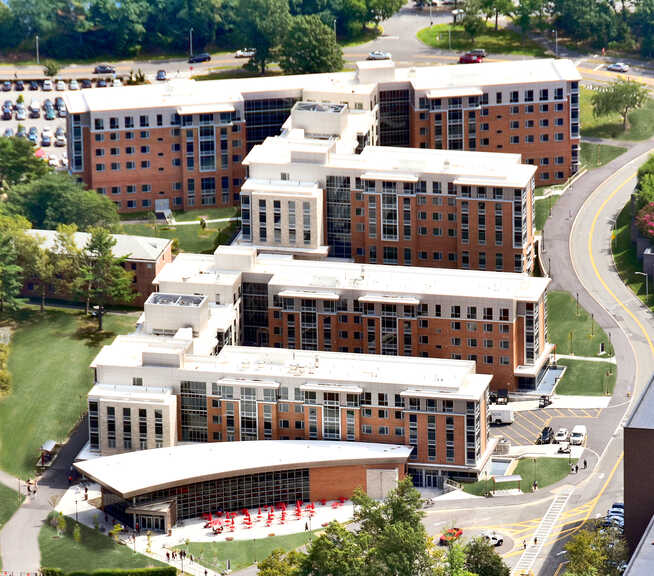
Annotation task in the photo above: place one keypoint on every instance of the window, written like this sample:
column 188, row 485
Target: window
column 144, row 121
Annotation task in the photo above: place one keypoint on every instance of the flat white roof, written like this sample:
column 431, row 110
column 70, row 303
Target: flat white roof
column 175, row 93
column 367, row 279
column 144, row 471
column 127, row 246
column 250, row 366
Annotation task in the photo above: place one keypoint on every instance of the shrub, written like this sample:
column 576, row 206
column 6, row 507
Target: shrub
column 645, row 220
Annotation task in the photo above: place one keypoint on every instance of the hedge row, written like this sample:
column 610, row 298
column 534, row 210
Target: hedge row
column 163, row 571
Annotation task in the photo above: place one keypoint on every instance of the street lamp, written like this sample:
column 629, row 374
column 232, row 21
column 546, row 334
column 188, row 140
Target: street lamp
column 646, row 285
column 75, row 509
column 38, row 61
column 190, row 42
column 556, row 42
column 334, row 26
column 431, row 21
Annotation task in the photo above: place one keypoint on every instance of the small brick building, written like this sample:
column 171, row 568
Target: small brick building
column 145, row 256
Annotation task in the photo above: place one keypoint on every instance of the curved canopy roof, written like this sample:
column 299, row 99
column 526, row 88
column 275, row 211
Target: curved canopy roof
column 144, row 471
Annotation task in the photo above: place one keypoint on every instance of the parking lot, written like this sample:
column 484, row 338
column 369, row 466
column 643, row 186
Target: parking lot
column 528, row 424
column 58, row 153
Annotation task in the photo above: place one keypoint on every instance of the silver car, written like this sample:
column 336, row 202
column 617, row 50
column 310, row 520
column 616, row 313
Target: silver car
column 379, row 55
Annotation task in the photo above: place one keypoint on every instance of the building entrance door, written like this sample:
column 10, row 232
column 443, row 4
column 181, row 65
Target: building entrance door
column 153, row 523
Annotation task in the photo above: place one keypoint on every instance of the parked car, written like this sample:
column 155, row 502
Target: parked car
column 61, row 111
column 500, row 415
column 6, row 113
column 202, row 57
column 60, row 85
column 59, row 101
column 21, row 114
column 502, row 396
column 33, row 135
column 74, row 85
column 161, row 75
column 544, row 401
column 47, row 103
column 578, row 435
column 59, row 132
column 47, row 86
column 379, row 55
column 34, row 85
column 546, row 436
column 9, row 132
column 46, row 140
column 492, row 538
column 19, row 86
column 450, row 535
column 618, row 67
column 6, row 86
column 615, row 521
column 470, row 58
column 617, row 509
column 21, row 132
column 101, row 83
column 60, row 141
column 478, row 52
column 104, row 69
column 245, row 53
column 49, row 114
column 562, row 435
column 86, row 83
column 35, row 109
column 116, row 83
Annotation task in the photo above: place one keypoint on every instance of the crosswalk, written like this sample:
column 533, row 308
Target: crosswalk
column 547, row 523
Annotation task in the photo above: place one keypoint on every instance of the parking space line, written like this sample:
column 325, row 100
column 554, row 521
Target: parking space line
column 529, row 431
column 540, row 424
column 509, row 435
column 544, row 420
column 561, row 414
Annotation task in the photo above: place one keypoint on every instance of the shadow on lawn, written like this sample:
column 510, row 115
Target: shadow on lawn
column 89, row 333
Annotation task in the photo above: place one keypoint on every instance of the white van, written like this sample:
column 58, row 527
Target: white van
column 500, row 415
column 578, row 436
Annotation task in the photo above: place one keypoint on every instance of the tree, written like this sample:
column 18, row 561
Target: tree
column 102, row 274
column 497, row 8
column 280, row 563
column 58, row 198
column 61, row 524
column 456, row 561
column 11, row 273
column 643, row 24
column 482, row 559
column 262, row 25
column 18, row 163
column 621, row 96
column 523, row 14
column 585, row 553
column 379, row 10
column 310, row 47
column 39, row 265
column 472, row 21
column 77, row 534
column 50, row 68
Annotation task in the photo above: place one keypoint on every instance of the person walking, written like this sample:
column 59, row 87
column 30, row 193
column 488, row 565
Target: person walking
column 585, row 464
column 167, row 556
column 535, row 541
column 524, row 544
column 576, row 468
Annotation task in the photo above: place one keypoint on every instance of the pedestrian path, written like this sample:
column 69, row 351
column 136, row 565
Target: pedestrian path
column 610, row 359
column 208, row 221
column 549, row 520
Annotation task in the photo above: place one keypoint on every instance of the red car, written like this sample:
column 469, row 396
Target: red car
column 470, row 58
column 450, row 535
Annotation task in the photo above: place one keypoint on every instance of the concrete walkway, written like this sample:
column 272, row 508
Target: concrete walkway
column 19, row 538
column 8, row 480
column 611, row 360
column 209, row 221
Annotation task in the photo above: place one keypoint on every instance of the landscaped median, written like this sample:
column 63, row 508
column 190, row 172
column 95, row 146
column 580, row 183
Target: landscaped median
column 502, row 41
column 545, row 471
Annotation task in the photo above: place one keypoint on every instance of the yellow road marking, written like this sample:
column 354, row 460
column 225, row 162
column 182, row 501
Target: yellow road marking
column 543, row 420
column 558, row 569
column 561, row 414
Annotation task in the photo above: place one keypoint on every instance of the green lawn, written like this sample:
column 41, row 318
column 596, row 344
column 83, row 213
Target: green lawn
column 366, row 34
column 543, row 207
column 49, row 362
column 191, row 238
column 641, row 121
column 562, row 320
column 545, row 471
column 624, row 255
column 226, row 72
column 548, row 471
column 596, row 155
column 187, row 216
column 95, row 551
column 504, row 41
column 242, row 553
column 584, row 378
column 8, row 505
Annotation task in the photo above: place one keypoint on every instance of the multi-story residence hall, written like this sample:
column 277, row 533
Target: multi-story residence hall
column 183, row 142
column 495, row 319
column 156, row 390
column 314, row 191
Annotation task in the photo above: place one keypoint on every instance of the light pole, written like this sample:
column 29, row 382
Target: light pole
column 431, row 21
column 38, row 61
column 190, row 42
column 646, row 285
column 334, row 26
column 75, row 509
column 556, row 42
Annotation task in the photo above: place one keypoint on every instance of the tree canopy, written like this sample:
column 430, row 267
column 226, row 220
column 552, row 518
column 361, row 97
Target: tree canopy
column 621, row 97
column 262, row 24
column 310, row 47
column 18, row 162
column 57, row 198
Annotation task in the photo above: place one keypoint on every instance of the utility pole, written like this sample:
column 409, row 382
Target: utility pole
column 334, row 26
column 38, row 61
column 190, row 42
column 556, row 42
column 646, row 285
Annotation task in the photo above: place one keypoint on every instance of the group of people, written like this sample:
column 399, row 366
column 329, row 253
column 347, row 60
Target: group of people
column 575, row 467
column 178, row 554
